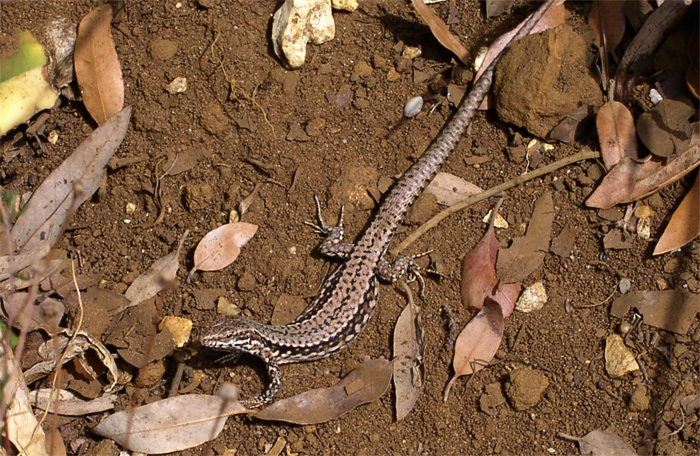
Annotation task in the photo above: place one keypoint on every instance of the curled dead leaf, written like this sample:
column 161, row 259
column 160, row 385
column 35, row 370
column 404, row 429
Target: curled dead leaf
column 479, row 271
column 366, row 383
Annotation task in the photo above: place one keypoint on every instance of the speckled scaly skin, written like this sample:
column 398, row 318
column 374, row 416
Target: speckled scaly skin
column 348, row 297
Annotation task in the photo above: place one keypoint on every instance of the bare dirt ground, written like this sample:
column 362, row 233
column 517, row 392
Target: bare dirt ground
column 284, row 132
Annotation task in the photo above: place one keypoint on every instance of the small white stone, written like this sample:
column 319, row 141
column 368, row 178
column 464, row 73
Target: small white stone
column 53, row 137
column 344, row 5
column 298, row 22
column 413, row 107
column 655, row 96
column 644, row 228
column 130, row 208
column 499, row 222
column 625, row 285
column 411, row 52
column 533, row 298
column 226, row 308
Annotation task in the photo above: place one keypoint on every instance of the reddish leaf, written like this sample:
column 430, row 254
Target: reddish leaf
column 506, row 294
column 684, row 225
column 631, row 180
column 478, row 342
column 665, row 129
column 441, row 32
column 366, row 383
column 97, row 66
column 616, row 133
column 220, row 247
column 479, row 271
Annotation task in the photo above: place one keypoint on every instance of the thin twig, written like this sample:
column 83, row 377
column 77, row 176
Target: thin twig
column 588, row 155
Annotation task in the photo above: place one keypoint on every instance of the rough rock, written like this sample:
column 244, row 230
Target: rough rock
column 525, row 387
column 543, row 78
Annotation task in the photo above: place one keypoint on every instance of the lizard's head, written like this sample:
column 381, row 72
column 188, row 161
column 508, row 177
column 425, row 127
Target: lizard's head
column 232, row 334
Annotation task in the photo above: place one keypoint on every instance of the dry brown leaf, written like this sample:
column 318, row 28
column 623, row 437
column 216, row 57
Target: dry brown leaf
column 506, row 295
column 449, row 189
column 631, row 180
column 97, row 66
column 409, row 371
column 601, row 443
column 220, row 247
column 159, row 276
column 607, row 19
column 184, row 160
column 616, row 132
column 479, row 271
column 22, row 427
column 647, row 39
column 497, row 7
column 692, row 75
column 70, row 404
column 169, row 425
column 554, row 16
column 45, row 216
column 366, row 383
column 672, row 310
column 478, row 342
column 441, row 31
column 665, row 129
column 684, row 225
column 526, row 254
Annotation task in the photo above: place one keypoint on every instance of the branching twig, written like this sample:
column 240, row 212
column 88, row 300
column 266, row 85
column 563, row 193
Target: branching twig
column 588, row 155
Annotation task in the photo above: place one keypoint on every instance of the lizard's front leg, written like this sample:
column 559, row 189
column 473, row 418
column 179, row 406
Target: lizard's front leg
column 333, row 246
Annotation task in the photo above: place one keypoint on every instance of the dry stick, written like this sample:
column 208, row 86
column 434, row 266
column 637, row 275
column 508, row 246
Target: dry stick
column 588, row 155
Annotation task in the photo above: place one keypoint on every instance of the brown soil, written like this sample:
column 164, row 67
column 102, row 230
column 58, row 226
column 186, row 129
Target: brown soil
column 240, row 134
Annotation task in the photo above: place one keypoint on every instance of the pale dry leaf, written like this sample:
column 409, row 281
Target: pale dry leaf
column 506, row 295
column 220, row 247
column 169, row 425
column 54, row 443
column 479, row 271
column 616, row 132
column 441, row 31
column 449, row 189
column 672, row 310
column 21, row 424
column 366, row 383
column 97, row 67
column 554, row 16
column 159, row 276
column 478, row 342
column 45, row 216
column 42, row 312
column 631, row 180
column 684, row 225
column 601, row 443
column 69, row 403
column 526, row 253
column 54, row 262
column 409, row 371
